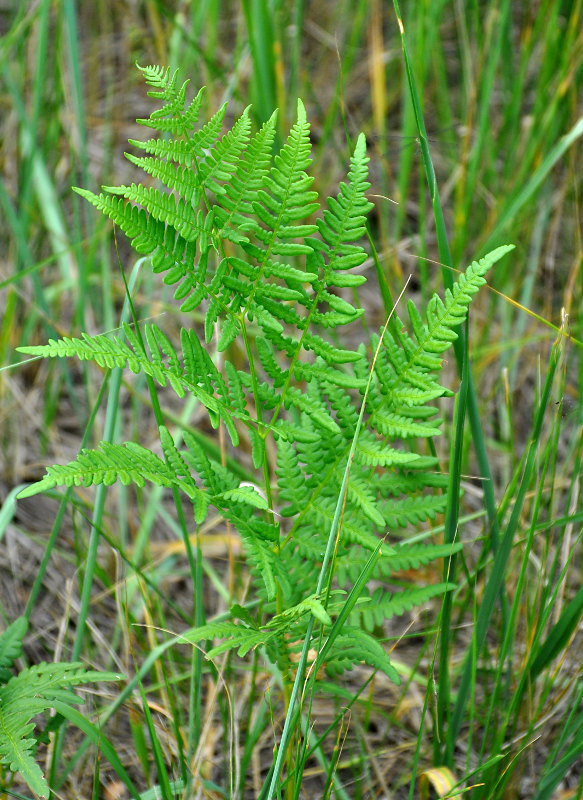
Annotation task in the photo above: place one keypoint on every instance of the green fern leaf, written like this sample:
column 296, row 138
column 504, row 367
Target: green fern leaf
column 362, row 496
column 239, row 193
column 353, row 646
column 230, row 229
column 372, row 453
column 360, row 533
column 413, row 509
column 113, row 352
column 262, row 560
column 129, row 463
column 309, row 605
column 27, row 694
column 244, row 494
column 383, row 605
column 408, row 557
column 11, row 646
column 399, row 426
column 442, row 316
column 232, row 634
column 292, row 481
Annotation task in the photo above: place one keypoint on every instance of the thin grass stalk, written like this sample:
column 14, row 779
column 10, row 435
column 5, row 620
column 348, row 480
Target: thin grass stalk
column 194, row 562
column 261, row 33
column 449, row 568
column 572, row 732
column 133, row 684
column 163, row 778
column 381, row 277
column 445, row 257
column 297, row 16
column 346, row 59
column 505, row 727
column 466, row 190
column 95, row 735
column 44, row 189
column 516, row 202
column 497, row 575
column 63, row 505
column 377, row 74
column 38, row 89
column 98, row 509
column 169, row 676
column 72, row 35
column 111, row 417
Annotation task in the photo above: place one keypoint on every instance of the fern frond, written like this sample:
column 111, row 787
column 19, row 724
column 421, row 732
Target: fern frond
column 344, row 219
column 399, row 558
column 413, row 509
column 230, row 228
column 292, row 481
column 262, row 560
column 372, row 453
column 170, row 252
column 173, row 116
column 11, row 646
column 309, row 605
column 361, row 495
column 353, row 532
column 412, row 556
column 177, row 179
column 445, row 315
column 232, row 635
column 399, row 426
column 243, row 494
column 112, row 352
column 353, row 646
column 27, row 694
column 223, row 159
column 178, row 213
column 128, row 462
column 381, row 605
column 248, row 178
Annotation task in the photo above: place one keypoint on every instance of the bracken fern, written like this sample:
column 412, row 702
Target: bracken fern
column 235, row 230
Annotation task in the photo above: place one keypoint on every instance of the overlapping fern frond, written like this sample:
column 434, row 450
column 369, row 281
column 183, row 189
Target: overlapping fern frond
column 238, row 232
column 31, row 692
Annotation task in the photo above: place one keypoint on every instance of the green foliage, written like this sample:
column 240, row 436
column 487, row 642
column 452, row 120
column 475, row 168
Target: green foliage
column 235, row 230
column 32, row 691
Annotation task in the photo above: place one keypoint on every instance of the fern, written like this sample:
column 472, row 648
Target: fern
column 32, row 691
column 238, row 233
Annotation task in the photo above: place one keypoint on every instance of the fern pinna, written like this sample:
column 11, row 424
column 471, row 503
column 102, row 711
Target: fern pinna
column 237, row 232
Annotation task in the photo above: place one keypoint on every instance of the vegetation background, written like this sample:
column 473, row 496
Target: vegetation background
column 501, row 89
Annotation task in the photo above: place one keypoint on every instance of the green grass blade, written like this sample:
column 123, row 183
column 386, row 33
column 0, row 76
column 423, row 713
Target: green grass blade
column 516, row 203
column 449, row 568
column 96, row 736
column 498, row 573
column 446, row 259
